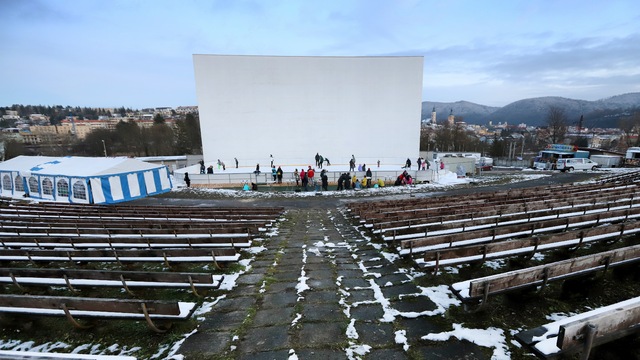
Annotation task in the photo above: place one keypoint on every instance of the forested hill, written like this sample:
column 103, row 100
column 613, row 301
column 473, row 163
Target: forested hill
column 600, row 113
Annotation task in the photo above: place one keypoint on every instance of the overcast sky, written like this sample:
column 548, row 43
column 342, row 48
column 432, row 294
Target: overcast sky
column 138, row 54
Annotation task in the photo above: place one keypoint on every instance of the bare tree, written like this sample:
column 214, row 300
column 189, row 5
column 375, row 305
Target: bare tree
column 556, row 123
column 630, row 125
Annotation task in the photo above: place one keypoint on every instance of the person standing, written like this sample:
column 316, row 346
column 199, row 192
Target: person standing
column 325, row 180
column 317, row 158
column 305, row 179
column 320, row 161
column 408, row 164
column 274, row 172
column 296, row 175
column 271, row 156
column 236, row 159
column 340, row 182
column 279, row 173
column 369, row 175
column 310, row 174
column 187, row 180
column 201, row 166
column 419, row 161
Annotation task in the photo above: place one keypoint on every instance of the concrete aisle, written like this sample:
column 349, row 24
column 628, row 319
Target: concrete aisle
column 320, row 291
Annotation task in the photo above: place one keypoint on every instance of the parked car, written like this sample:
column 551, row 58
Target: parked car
column 576, row 164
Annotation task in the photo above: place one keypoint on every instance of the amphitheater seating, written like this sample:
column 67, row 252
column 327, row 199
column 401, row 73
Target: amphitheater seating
column 582, row 332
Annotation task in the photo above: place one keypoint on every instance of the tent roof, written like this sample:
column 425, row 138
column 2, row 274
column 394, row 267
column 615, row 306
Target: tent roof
column 75, row 165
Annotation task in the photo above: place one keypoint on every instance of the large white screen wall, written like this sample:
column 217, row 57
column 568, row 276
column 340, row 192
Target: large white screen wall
column 294, row 107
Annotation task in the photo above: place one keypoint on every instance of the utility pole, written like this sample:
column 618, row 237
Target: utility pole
column 104, row 146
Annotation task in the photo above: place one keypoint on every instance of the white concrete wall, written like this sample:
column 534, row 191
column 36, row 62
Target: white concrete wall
column 294, row 107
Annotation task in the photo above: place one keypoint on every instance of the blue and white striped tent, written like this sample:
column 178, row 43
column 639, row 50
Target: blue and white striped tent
column 86, row 180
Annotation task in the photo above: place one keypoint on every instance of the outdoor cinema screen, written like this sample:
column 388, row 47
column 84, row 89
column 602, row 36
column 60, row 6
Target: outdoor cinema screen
column 292, row 107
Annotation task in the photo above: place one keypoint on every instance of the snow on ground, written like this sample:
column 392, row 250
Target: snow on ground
column 443, row 180
column 491, row 338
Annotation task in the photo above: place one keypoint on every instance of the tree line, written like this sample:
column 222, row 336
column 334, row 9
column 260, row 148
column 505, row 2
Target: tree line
column 455, row 138
column 127, row 139
column 58, row 113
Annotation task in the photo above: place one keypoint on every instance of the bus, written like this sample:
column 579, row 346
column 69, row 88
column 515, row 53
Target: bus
column 548, row 157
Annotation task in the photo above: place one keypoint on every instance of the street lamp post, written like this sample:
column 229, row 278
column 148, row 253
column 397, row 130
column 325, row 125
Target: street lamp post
column 104, row 146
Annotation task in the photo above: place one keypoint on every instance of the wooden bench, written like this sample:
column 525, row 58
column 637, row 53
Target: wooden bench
column 558, row 193
column 479, row 289
column 423, row 225
column 96, row 308
column 479, row 253
column 73, row 278
column 97, row 242
column 10, row 230
column 459, row 237
column 166, row 256
column 33, row 355
column 582, row 332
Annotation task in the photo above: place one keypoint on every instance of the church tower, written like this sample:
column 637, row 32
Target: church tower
column 451, row 118
column 433, row 116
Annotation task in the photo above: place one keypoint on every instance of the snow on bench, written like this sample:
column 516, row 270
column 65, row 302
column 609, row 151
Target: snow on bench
column 480, row 288
column 582, row 332
column 114, row 232
column 167, row 256
column 98, row 308
column 89, row 241
column 34, row 355
column 71, row 278
column 450, row 240
column 491, row 218
column 473, row 253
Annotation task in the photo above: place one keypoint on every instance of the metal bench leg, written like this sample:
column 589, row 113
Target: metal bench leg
column 72, row 320
column 124, row 285
column 193, row 287
column 66, row 280
column 153, row 326
column 588, row 341
column 545, row 279
column 15, row 282
column 215, row 263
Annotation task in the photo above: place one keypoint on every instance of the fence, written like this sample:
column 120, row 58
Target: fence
column 237, row 179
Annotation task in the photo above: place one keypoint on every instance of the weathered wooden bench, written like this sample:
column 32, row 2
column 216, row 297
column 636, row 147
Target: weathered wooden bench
column 113, row 232
column 526, row 213
column 582, row 332
column 459, row 237
column 151, row 212
column 74, row 278
column 479, row 289
column 166, row 256
column 480, row 253
column 33, row 355
column 386, row 220
column 96, row 308
column 558, row 193
column 121, row 242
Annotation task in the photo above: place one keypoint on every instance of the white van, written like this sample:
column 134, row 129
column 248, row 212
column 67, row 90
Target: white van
column 572, row 164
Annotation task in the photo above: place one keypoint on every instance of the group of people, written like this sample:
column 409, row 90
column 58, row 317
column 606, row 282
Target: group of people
column 320, row 160
column 404, row 179
column 422, row 164
column 306, row 178
column 220, row 163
